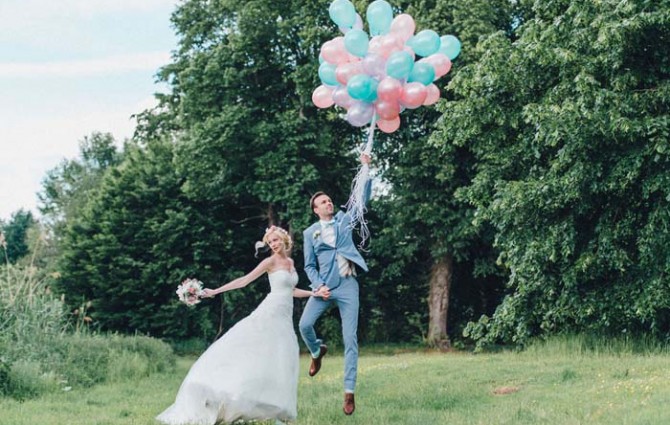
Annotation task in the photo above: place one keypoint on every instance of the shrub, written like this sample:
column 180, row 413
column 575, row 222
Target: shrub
column 26, row 380
column 4, row 377
column 40, row 354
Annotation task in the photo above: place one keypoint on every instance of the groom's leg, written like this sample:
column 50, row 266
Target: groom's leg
column 313, row 310
column 347, row 301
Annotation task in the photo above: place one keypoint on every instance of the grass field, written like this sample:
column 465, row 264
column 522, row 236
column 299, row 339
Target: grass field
column 555, row 384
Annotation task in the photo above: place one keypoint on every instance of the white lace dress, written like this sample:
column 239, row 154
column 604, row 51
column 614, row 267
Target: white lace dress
column 249, row 373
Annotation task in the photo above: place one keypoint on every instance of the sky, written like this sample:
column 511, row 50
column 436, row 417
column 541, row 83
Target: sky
column 69, row 68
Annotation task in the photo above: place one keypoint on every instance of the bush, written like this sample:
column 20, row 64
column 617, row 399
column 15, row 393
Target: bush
column 40, row 355
column 4, row 376
column 26, row 380
column 160, row 356
column 189, row 347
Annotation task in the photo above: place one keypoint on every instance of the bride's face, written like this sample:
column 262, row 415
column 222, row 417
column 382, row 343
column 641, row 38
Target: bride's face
column 276, row 243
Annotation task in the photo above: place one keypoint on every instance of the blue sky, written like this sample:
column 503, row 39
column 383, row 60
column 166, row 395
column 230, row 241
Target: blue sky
column 68, row 68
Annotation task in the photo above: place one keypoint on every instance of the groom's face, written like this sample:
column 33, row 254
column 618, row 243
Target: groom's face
column 323, row 206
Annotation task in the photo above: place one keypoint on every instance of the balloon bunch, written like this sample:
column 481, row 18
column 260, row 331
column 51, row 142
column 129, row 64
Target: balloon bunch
column 376, row 78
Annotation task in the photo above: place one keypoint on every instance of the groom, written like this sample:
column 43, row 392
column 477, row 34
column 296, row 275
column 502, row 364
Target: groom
column 330, row 260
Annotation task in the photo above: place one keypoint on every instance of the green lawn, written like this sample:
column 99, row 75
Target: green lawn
column 538, row 387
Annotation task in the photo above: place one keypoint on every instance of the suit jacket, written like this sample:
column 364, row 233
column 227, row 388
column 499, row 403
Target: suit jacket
column 320, row 258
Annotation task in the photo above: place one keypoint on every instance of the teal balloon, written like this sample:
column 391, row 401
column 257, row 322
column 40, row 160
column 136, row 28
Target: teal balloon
column 343, row 13
column 372, row 96
column 399, row 65
column 327, row 74
column 450, row 46
column 425, row 43
column 360, row 87
column 379, row 16
column 423, row 73
column 321, row 59
column 356, row 42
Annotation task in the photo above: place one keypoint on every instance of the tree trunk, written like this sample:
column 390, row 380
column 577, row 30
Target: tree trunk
column 438, row 302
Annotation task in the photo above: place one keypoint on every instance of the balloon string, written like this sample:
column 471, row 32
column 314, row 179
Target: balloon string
column 371, row 134
column 356, row 204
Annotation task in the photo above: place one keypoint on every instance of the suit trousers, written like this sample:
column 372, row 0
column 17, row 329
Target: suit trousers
column 345, row 296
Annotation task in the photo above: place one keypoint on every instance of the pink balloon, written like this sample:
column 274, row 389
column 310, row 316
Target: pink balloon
column 413, row 95
column 347, row 70
column 341, row 97
column 440, row 62
column 373, row 45
column 389, row 126
column 432, row 94
column 389, row 44
column 333, row 51
column 403, row 25
column 389, row 89
column 387, row 109
column 323, row 97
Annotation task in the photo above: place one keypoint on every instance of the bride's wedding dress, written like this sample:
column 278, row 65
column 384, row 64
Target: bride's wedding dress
column 249, row 373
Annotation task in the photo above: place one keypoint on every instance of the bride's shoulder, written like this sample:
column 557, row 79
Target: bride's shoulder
column 267, row 264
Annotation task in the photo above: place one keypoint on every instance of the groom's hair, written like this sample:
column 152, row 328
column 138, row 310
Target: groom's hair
column 313, row 198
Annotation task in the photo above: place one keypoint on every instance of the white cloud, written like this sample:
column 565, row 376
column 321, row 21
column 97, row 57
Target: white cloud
column 32, row 146
column 74, row 25
column 90, row 67
column 16, row 12
column 72, row 67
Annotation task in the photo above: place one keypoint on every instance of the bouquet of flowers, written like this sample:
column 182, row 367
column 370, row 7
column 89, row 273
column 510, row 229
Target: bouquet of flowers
column 189, row 291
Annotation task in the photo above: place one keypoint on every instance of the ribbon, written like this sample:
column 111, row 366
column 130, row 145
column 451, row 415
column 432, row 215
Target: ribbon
column 356, row 204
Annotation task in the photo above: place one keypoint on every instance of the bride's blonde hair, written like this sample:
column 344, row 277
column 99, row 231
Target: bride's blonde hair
column 283, row 235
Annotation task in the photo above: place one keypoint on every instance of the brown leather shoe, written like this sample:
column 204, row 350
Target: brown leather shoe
column 316, row 362
column 349, row 404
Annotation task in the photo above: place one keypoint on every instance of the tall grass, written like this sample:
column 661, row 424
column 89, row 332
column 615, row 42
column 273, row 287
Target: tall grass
column 597, row 345
column 43, row 350
column 30, row 317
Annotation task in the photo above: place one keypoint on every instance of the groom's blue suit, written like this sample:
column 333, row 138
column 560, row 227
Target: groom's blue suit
column 322, row 269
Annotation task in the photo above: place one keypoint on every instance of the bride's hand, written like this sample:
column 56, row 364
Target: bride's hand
column 208, row 293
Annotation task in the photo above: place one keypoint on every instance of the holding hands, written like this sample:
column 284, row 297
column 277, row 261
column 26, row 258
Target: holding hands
column 322, row 292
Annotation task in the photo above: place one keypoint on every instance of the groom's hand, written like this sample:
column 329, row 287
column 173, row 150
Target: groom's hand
column 323, row 292
column 366, row 159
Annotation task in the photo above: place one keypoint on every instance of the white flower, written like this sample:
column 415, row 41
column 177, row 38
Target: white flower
column 189, row 291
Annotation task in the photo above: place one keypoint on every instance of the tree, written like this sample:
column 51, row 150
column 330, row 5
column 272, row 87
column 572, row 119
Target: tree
column 134, row 242
column 569, row 131
column 440, row 245
column 16, row 234
column 68, row 188
column 251, row 147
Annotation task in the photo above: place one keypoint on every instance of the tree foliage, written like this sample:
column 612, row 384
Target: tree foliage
column 568, row 125
column 134, row 242
column 15, row 235
column 545, row 168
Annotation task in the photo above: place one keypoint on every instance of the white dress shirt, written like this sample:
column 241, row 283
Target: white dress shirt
column 328, row 235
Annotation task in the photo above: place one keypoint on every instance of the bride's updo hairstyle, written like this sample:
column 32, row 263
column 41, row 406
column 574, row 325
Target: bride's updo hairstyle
column 283, row 235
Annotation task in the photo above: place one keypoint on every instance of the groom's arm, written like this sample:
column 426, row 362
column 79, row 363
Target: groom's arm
column 366, row 160
column 311, row 262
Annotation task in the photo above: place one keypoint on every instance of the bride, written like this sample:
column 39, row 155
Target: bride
column 251, row 372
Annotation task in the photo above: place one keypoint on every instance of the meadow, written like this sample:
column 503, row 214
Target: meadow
column 562, row 382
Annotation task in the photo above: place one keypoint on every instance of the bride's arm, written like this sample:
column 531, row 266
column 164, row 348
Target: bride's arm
column 301, row 293
column 241, row 282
